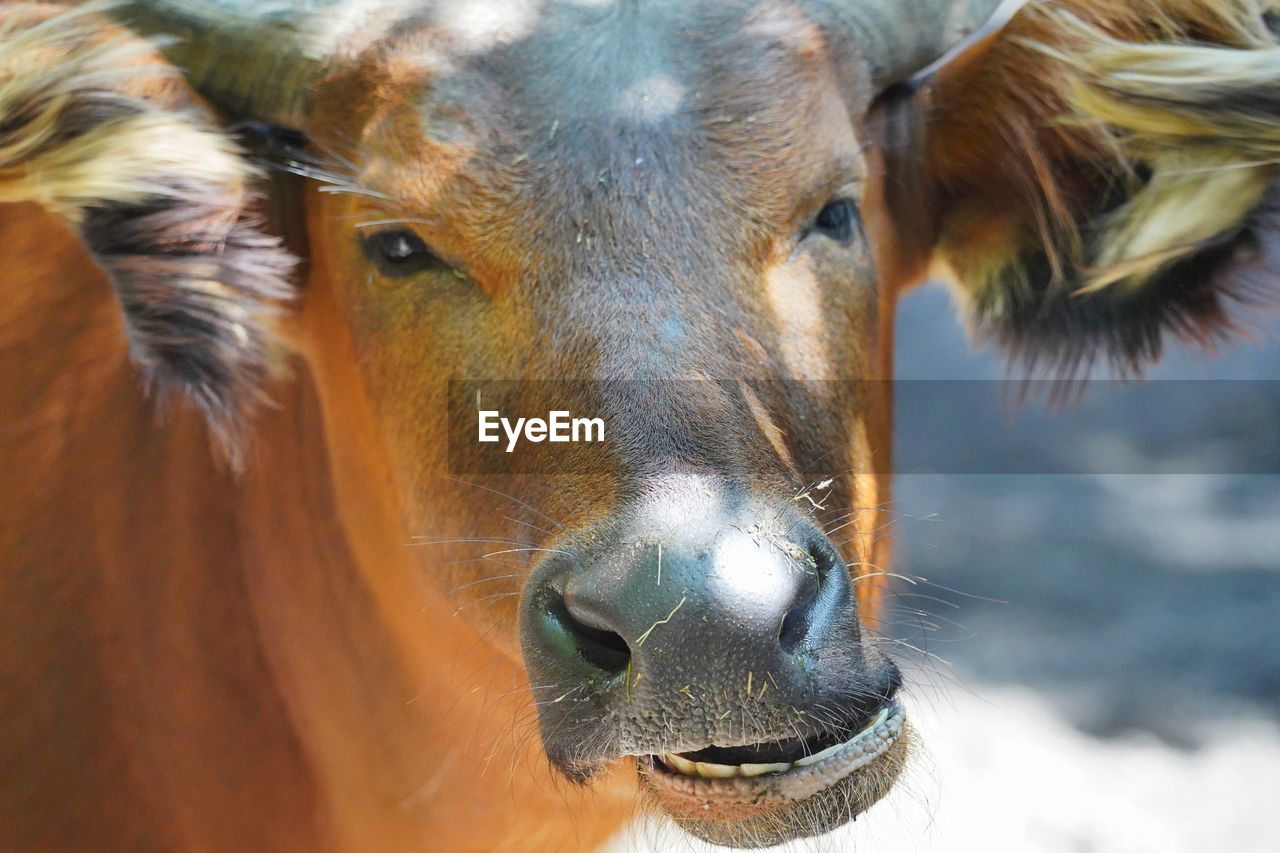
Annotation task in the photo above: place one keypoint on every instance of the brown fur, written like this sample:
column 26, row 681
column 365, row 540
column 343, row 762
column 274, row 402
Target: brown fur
column 196, row 663
column 199, row 663
column 193, row 661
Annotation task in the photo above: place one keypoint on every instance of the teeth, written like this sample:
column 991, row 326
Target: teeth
column 682, row 765
column 762, row 769
column 707, row 770
column 832, row 750
column 818, row 756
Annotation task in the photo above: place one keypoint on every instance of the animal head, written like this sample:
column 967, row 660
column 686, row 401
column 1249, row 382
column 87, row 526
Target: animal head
column 701, row 214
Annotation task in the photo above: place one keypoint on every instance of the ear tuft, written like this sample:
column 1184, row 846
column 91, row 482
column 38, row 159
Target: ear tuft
column 1138, row 196
column 202, row 290
column 160, row 199
column 1200, row 299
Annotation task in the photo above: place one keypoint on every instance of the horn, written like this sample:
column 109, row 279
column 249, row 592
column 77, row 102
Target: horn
column 902, row 39
column 252, row 58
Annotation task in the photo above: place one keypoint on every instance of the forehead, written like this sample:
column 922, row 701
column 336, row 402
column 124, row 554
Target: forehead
column 587, row 83
column 648, row 60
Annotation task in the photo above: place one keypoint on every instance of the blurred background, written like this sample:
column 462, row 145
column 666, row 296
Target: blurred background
column 1092, row 626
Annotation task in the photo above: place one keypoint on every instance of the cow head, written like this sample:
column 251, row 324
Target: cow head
column 702, row 213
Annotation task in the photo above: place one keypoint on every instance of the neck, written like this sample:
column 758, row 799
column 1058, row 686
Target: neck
column 206, row 662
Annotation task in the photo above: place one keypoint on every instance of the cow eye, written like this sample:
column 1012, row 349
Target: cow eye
column 837, row 220
column 400, row 252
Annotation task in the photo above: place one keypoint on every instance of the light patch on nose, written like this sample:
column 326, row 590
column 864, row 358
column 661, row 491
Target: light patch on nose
column 479, row 25
column 683, row 509
column 651, row 99
column 747, row 570
column 795, row 298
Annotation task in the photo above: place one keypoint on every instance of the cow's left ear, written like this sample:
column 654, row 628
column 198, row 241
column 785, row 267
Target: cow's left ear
column 160, row 197
column 1097, row 177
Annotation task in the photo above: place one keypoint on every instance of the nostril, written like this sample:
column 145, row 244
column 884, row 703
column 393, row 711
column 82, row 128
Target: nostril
column 795, row 626
column 798, row 623
column 600, row 647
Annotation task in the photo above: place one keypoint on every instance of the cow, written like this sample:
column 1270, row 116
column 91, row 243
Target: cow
column 257, row 596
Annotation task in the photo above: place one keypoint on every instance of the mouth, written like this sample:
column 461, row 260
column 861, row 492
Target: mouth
column 767, row 793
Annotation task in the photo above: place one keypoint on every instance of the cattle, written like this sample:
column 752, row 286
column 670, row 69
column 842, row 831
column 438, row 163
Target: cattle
column 255, row 594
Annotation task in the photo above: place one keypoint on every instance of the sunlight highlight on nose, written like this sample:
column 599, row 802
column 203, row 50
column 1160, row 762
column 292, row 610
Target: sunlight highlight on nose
column 683, row 509
column 745, row 571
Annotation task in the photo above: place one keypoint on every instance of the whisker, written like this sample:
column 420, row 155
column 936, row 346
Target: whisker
column 511, row 498
column 392, row 220
column 528, row 524
column 525, row 551
column 464, row 540
column 457, row 589
column 349, row 190
column 498, row 597
column 519, row 563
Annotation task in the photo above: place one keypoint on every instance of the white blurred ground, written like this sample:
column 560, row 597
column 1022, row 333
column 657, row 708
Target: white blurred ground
column 1004, row 773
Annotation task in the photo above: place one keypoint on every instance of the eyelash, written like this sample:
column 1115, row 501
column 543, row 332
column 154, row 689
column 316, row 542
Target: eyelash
column 399, row 253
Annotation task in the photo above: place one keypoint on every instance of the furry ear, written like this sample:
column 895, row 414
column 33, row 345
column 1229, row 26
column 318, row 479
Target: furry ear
column 1100, row 176
column 159, row 197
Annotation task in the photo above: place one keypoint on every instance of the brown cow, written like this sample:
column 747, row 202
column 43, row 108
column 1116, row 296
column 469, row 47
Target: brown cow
column 236, row 645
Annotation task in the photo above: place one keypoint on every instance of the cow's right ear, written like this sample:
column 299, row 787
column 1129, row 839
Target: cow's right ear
column 1096, row 177
column 159, row 195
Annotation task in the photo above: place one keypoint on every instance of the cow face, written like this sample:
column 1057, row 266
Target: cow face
column 694, row 217
column 680, row 234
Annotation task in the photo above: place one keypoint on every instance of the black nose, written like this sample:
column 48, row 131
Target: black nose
column 693, row 618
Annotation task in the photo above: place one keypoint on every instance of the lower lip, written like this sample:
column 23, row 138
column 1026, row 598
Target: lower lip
column 795, row 783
